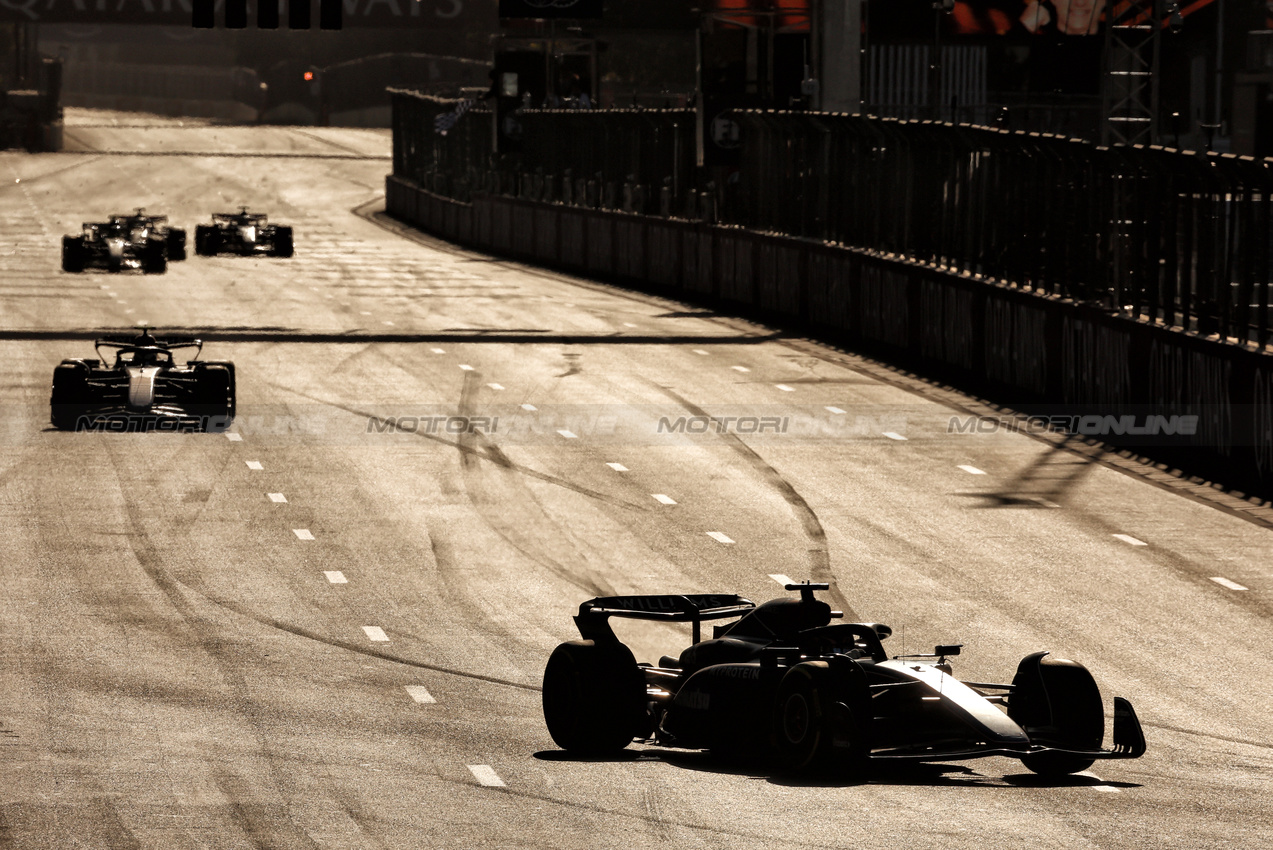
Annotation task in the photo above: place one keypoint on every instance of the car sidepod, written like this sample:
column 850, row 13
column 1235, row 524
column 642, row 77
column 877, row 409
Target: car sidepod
column 724, row 707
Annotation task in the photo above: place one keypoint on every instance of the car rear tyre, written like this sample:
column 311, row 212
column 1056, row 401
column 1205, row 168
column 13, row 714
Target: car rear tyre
column 215, row 406
column 154, row 258
column 1058, row 704
column 594, row 697
column 73, row 254
column 803, row 720
column 207, row 240
column 176, row 244
column 283, row 241
column 68, row 402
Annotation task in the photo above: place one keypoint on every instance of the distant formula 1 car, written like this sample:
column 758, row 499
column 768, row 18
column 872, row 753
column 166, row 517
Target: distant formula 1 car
column 136, row 241
column 782, row 681
column 144, row 387
column 243, row 233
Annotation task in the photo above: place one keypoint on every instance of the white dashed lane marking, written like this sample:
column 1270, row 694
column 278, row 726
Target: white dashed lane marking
column 740, row 368
column 254, row 464
column 437, row 351
column 1224, row 582
column 663, row 499
column 569, row 435
column 303, row 533
column 893, row 435
column 1102, row 787
column 233, row 437
column 496, row 386
column 376, row 633
column 720, row 537
column 529, row 407
column 277, row 497
column 628, row 325
column 617, row 467
column 335, row 577
column 466, row 367
column 420, row 694
column 785, row 388
column 784, row 580
column 485, row 775
column 971, row 470
column 701, row 352
column 835, row 410
column 1127, row 538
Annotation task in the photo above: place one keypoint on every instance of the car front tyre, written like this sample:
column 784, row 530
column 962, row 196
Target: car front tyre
column 1057, row 703
column 803, row 718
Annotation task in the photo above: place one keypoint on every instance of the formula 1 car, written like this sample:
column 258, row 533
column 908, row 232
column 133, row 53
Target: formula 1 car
column 782, row 681
column 243, row 233
column 144, row 387
column 137, row 241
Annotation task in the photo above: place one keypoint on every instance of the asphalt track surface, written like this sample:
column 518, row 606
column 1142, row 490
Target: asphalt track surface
column 327, row 627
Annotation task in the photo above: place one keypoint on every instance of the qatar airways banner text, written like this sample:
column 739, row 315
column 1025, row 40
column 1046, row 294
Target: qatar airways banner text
column 358, row 13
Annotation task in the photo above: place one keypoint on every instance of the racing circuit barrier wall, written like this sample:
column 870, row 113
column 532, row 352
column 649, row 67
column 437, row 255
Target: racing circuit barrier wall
column 1037, row 352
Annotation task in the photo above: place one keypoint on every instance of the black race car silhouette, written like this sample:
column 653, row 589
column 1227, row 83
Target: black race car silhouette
column 144, row 387
column 136, row 241
column 783, row 682
column 243, row 233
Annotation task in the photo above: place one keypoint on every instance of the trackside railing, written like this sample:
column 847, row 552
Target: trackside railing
column 1179, row 238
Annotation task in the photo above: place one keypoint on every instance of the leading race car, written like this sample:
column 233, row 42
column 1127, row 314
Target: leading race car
column 243, row 233
column 136, row 241
column 144, row 388
column 782, row 680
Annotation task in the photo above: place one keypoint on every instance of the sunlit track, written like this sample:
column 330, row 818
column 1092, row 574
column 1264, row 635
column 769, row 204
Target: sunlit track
column 328, row 625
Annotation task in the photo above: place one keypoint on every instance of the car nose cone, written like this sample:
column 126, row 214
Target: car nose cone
column 141, row 387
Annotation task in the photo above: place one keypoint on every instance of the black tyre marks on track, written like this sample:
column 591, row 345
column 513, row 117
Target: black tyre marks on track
column 499, row 493
column 819, row 554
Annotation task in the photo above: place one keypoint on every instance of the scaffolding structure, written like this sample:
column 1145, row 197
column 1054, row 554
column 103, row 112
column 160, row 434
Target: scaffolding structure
column 1130, row 92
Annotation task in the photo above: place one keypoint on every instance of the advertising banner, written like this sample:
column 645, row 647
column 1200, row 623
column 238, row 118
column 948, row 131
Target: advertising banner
column 357, row 13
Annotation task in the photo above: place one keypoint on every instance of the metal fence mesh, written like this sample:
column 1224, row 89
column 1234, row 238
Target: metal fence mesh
column 1176, row 237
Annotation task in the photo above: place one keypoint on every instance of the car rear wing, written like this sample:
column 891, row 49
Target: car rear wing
column 594, row 615
column 241, row 214
column 132, row 343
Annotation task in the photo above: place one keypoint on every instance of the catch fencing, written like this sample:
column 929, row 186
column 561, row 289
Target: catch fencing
column 1176, row 237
